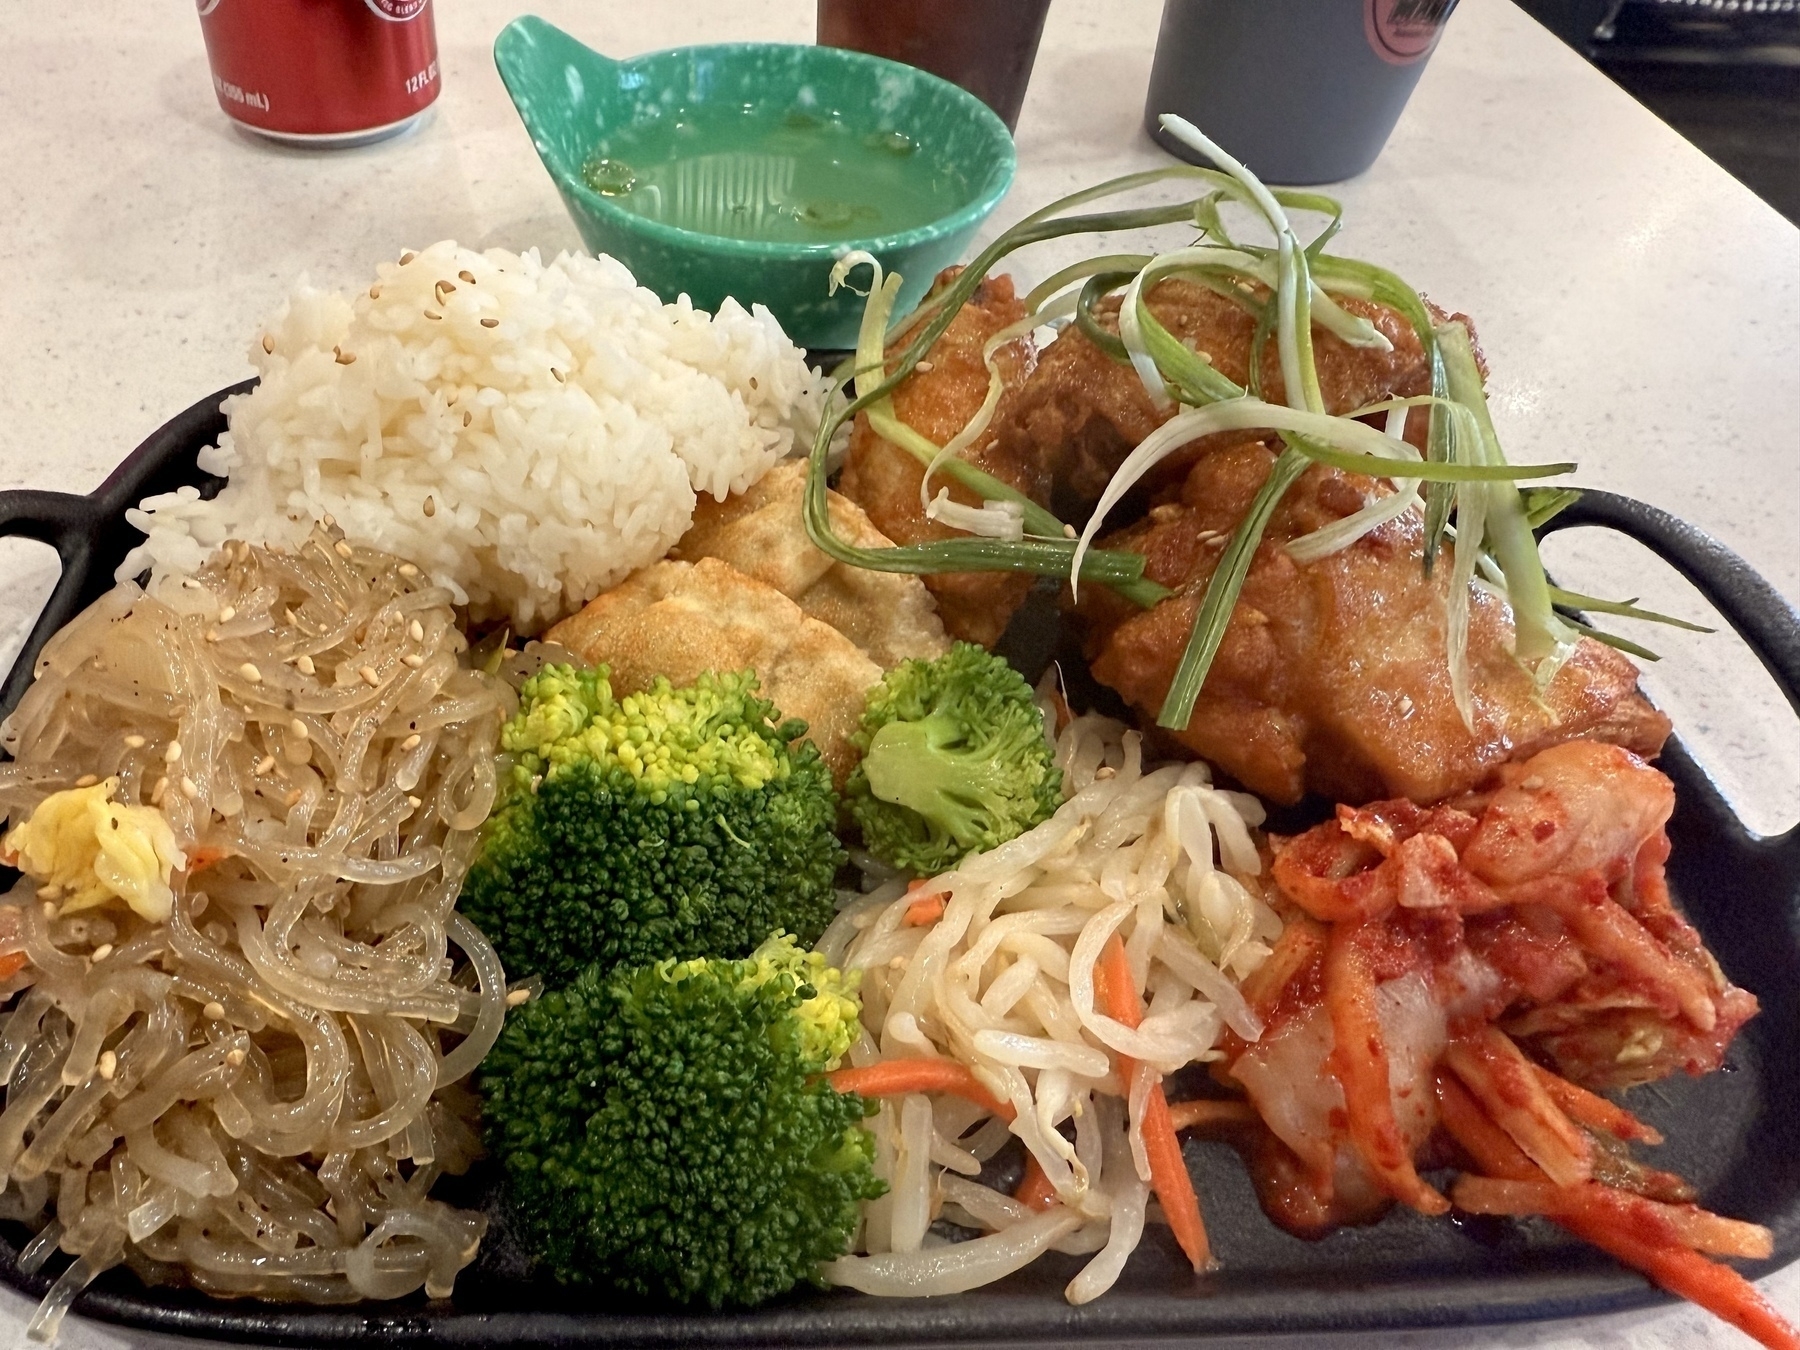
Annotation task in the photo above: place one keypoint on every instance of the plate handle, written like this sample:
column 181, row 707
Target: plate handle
column 64, row 521
column 26, row 513
column 1759, row 612
column 86, row 531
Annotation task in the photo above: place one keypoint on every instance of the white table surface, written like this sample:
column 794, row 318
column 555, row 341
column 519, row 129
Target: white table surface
column 1640, row 309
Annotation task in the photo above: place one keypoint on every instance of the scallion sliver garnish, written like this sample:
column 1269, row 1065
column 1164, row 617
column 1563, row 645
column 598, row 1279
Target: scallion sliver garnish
column 1287, row 288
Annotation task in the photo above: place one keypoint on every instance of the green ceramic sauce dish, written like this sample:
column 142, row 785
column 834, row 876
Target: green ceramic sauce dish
column 747, row 169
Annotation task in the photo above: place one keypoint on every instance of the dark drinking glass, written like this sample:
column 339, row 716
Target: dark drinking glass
column 986, row 46
column 1301, row 91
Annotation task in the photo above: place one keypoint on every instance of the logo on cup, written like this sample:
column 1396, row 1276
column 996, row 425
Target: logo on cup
column 1404, row 31
column 397, row 11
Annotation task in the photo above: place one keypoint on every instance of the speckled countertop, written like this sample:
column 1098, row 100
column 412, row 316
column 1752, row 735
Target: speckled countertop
column 1640, row 309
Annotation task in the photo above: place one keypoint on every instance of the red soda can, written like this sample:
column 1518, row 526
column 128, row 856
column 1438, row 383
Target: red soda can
column 322, row 72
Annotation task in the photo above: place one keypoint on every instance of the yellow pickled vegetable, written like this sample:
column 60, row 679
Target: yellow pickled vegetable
column 94, row 849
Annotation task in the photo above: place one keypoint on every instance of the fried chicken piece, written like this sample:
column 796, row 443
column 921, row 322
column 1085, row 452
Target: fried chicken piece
column 890, row 616
column 1081, row 412
column 1332, row 676
column 681, row 619
column 938, row 402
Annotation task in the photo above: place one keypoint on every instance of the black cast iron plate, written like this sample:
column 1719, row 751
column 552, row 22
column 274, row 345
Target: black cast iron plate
column 1735, row 1133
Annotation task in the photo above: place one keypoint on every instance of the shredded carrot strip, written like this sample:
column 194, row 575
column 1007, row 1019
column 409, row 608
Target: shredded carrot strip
column 1594, row 1111
column 1651, row 1220
column 1117, row 992
column 1359, row 1062
column 1499, row 1076
column 11, row 964
column 924, row 912
column 1301, row 943
column 1035, row 1190
column 893, row 1077
column 1174, row 1187
column 1717, row 1288
column 202, row 858
column 1205, row 1112
column 1117, row 988
column 1490, row 1146
column 1607, row 930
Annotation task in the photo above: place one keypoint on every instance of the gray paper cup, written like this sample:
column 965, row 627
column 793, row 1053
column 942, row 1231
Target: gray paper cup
column 1302, row 91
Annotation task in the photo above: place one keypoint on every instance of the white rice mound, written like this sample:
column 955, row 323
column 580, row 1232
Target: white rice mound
column 527, row 437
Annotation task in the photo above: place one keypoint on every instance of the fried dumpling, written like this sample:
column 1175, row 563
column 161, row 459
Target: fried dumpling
column 890, row 616
column 681, row 619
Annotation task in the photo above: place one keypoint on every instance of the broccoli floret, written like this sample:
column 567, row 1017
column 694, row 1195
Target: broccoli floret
column 954, row 761
column 669, row 823
column 665, row 1130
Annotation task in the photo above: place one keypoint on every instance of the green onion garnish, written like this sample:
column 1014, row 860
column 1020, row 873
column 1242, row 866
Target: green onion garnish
column 1287, row 287
column 1544, row 504
column 1624, row 608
